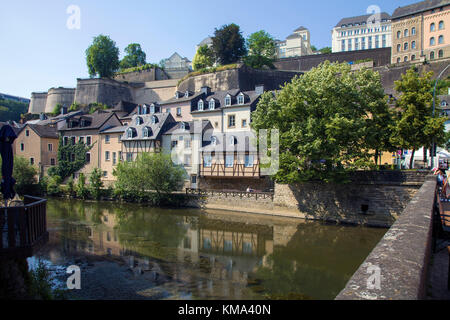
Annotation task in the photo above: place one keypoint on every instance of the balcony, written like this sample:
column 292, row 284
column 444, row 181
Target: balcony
column 23, row 228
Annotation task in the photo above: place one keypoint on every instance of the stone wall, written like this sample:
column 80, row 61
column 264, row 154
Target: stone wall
column 380, row 57
column 38, row 102
column 401, row 257
column 106, row 91
column 243, row 78
column 263, row 184
column 155, row 91
column 153, row 74
column 62, row 96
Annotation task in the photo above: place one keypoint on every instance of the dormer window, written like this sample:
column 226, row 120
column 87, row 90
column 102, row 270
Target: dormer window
column 154, row 119
column 139, row 121
column 152, row 108
column 232, row 141
column 212, row 104
column 130, row 133
column 177, row 95
column 146, row 132
column 183, row 126
column 200, row 105
column 186, row 94
column 145, row 109
column 228, row 100
column 241, row 99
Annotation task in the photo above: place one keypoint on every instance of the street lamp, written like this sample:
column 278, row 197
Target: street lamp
column 434, row 108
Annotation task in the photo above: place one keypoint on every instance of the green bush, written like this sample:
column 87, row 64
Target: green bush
column 81, row 189
column 96, row 183
column 54, row 185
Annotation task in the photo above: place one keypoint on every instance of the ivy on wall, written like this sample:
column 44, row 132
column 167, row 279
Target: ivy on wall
column 71, row 158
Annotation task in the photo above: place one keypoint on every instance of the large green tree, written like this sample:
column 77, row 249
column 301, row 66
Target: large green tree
column 135, row 57
column 204, row 58
column 326, row 119
column 150, row 172
column 415, row 125
column 102, row 57
column 262, row 50
column 228, row 44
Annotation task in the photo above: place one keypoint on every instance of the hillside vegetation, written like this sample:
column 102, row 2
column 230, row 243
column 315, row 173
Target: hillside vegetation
column 12, row 110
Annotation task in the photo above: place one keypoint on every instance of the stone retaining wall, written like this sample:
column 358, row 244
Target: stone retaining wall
column 401, row 259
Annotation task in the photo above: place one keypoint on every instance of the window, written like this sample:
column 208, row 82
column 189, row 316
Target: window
column 72, row 157
column 186, row 94
column 399, row 34
column 377, row 42
column 227, row 245
column 441, row 25
column 187, row 160
column 187, row 143
column 356, row 43
column 32, row 161
column 152, row 108
column 154, row 119
column 441, row 54
column 200, row 105
column 399, row 47
column 107, row 139
column 432, row 41
column 249, row 161
column 212, row 104
column 88, row 141
column 88, row 157
column 231, row 121
column 180, row 138
column 72, row 140
column 405, row 46
column 342, row 47
column 177, row 95
column 213, row 141
column 50, row 147
column 432, row 27
column 413, row 31
column 145, row 132
column 105, row 174
column 145, row 109
column 431, row 55
column 129, row 157
column 413, row 45
column 241, row 99
column 81, row 140
column 114, row 158
column 406, row 33
column 139, row 121
column 183, row 126
column 384, row 41
column 52, row 162
column 120, row 156
column 229, row 161
column 441, row 40
column 349, row 44
column 207, row 244
column 130, row 133
column 232, row 141
column 207, row 161
column 247, row 248
column 398, row 60
column 178, row 112
column 107, row 158
column 174, row 144
column 405, row 59
column 413, row 57
column 66, row 141
column 22, row 147
column 370, row 42
column 228, row 101
column 244, row 123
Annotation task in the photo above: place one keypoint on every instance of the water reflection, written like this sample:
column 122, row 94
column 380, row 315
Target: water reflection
column 192, row 254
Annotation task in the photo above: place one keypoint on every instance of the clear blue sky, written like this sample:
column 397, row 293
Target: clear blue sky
column 38, row 51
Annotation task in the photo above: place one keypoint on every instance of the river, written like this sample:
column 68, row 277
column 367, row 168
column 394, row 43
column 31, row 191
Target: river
column 128, row 251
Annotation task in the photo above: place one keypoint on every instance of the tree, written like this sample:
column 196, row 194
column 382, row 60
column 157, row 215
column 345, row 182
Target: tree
column 204, row 58
column 262, row 50
column 326, row 50
column 102, row 57
column 415, row 127
column 57, row 109
column 96, row 183
column 150, row 172
column 25, row 175
column 12, row 110
column 134, row 57
column 324, row 120
column 228, row 44
column 81, row 189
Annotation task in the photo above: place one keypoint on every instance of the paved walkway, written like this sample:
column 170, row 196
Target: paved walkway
column 437, row 275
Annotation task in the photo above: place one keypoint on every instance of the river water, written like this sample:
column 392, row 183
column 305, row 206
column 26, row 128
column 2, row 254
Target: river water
column 127, row 251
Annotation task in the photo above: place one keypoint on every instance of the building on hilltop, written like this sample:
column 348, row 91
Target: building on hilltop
column 207, row 41
column 176, row 66
column 420, row 31
column 296, row 45
column 362, row 33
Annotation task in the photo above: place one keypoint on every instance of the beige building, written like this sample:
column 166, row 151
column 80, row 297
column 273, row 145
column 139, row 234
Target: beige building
column 180, row 105
column 419, row 31
column 296, row 45
column 39, row 145
column 86, row 129
column 111, row 146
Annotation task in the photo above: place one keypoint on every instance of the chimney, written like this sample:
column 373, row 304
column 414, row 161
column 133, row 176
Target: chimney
column 206, row 90
column 259, row 89
column 63, row 110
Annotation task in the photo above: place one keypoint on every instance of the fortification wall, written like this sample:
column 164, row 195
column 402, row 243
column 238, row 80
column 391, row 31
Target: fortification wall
column 38, row 102
column 153, row 74
column 243, row 78
column 63, row 96
column 380, row 57
column 106, row 91
column 155, row 91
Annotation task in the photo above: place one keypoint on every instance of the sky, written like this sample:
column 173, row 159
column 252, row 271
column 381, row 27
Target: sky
column 39, row 51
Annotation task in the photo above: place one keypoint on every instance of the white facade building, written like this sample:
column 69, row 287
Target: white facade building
column 296, row 45
column 362, row 33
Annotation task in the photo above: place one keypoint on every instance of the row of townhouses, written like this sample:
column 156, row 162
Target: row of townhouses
column 416, row 32
column 206, row 132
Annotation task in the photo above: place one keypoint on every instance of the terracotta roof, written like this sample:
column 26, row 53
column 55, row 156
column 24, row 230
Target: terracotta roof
column 361, row 19
column 418, row 7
